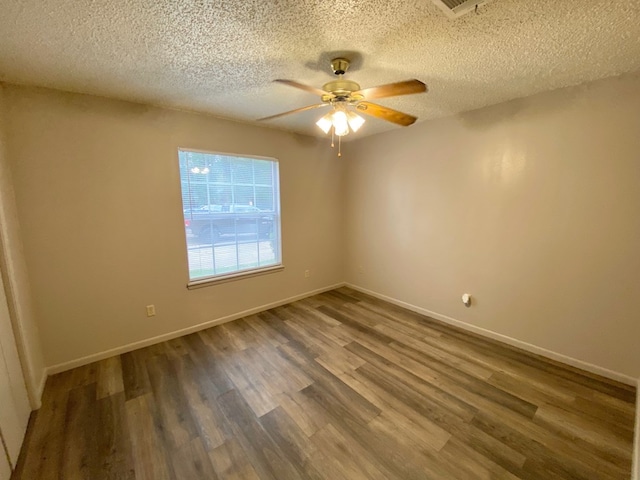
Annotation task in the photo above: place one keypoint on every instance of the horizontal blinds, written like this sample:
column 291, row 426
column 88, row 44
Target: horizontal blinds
column 231, row 209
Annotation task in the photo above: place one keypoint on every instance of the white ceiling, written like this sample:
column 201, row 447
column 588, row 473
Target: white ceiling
column 220, row 57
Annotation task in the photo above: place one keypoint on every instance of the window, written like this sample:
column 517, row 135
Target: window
column 231, row 208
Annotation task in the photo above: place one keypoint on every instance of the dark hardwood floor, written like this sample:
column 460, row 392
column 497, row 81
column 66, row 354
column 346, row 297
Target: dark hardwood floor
column 336, row 386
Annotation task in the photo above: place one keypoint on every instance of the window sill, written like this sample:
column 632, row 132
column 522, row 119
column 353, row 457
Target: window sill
column 205, row 282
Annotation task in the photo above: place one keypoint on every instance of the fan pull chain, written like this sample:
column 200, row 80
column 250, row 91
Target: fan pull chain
column 339, row 145
column 332, row 130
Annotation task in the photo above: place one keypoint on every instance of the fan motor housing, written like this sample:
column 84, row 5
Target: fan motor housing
column 341, row 89
column 338, row 87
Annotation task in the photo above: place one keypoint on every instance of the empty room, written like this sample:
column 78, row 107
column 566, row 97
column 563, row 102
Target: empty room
column 319, row 240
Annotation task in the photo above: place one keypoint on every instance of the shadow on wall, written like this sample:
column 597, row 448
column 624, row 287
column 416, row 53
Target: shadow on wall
column 545, row 103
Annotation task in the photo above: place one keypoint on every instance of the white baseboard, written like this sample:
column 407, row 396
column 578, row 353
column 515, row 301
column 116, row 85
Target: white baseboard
column 636, row 441
column 61, row 367
column 619, row 377
column 35, row 388
column 40, row 389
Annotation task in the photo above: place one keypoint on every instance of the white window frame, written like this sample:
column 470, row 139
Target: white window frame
column 275, row 241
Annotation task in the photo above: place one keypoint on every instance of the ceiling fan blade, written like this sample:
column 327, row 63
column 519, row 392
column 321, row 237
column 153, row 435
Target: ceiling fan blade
column 297, row 110
column 393, row 89
column 386, row 113
column 302, row 86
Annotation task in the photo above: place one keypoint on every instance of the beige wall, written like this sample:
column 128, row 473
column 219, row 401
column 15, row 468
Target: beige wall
column 15, row 277
column 532, row 206
column 98, row 197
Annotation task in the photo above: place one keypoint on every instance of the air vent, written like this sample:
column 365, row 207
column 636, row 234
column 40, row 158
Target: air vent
column 457, row 8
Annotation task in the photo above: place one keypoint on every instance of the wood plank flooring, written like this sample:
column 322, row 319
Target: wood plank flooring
column 336, row 386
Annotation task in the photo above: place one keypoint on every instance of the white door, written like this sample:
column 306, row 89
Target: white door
column 15, row 411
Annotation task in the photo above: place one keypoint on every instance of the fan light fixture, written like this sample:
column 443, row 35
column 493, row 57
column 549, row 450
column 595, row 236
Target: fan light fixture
column 342, row 121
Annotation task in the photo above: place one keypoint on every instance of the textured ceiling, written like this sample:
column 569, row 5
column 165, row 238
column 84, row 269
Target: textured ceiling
column 220, row 57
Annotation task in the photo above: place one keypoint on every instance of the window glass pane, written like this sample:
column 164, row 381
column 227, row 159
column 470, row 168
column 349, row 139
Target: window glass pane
column 264, row 198
column 264, row 172
column 231, row 213
column 243, row 172
column 243, row 195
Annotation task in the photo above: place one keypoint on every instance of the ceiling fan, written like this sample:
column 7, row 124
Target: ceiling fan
column 345, row 96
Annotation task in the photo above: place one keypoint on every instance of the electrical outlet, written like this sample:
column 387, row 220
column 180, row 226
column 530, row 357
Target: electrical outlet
column 151, row 310
column 307, row 273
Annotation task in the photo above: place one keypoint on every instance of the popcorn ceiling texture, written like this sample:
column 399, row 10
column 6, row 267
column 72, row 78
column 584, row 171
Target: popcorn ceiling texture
column 220, row 57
